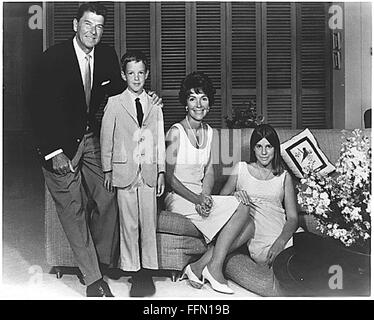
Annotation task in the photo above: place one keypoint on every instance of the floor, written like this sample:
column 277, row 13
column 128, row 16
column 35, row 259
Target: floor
column 25, row 272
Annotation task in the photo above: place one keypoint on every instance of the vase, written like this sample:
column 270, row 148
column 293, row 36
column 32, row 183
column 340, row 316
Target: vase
column 327, row 267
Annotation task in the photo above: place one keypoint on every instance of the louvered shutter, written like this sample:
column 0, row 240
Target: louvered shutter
column 279, row 64
column 244, row 57
column 314, row 68
column 137, row 35
column 173, row 67
column 60, row 26
column 108, row 35
column 209, row 52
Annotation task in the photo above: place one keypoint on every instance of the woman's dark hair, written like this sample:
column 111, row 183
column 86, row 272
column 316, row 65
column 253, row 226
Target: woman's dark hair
column 134, row 55
column 94, row 7
column 268, row 132
column 199, row 82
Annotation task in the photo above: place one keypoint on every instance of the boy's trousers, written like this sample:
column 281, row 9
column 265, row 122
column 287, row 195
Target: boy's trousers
column 138, row 221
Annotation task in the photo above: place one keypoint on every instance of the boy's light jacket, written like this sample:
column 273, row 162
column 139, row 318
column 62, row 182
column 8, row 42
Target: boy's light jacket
column 125, row 145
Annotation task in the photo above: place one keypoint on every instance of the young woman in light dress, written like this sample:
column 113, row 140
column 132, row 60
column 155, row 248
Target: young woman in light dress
column 224, row 221
column 272, row 196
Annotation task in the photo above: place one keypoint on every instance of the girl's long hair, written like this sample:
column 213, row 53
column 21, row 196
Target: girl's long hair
column 268, row 132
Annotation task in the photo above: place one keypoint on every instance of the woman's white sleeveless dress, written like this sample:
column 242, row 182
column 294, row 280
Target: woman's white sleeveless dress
column 268, row 212
column 189, row 170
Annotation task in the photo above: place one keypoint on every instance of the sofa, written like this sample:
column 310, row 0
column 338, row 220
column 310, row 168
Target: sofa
column 180, row 243
column 178, row 240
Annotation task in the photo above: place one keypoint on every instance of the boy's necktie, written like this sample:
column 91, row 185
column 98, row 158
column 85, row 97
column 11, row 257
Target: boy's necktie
column 139, row 111
column 87, row 80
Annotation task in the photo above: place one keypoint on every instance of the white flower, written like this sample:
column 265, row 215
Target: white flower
column 349, row 192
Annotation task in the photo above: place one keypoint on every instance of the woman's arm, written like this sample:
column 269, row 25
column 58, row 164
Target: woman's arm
column 291, row 223
column 230, row 185
column 172, row 148
column 208, row 180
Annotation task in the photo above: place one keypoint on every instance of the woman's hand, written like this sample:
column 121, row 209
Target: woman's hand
column 274, row 250
column 204, row 204
column 202, row 210
column 243, row 197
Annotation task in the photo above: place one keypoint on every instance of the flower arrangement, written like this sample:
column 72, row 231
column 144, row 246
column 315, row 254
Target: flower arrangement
column 341, row 203
column 246, row 118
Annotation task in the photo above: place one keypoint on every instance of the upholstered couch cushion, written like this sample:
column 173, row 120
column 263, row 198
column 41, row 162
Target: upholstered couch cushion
column 177, row 224
column 256, row 278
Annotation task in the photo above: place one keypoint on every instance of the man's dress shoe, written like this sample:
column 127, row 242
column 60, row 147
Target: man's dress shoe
column 99, row 289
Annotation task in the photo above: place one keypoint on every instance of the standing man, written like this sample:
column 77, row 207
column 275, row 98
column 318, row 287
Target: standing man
column 74, row 79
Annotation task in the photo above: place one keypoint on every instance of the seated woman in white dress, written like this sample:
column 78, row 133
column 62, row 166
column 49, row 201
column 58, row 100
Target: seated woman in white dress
column 223, row 220
column 271, row 192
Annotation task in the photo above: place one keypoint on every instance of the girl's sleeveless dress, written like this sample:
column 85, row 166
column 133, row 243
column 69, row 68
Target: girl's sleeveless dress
column 189, row 169
column 268, row 212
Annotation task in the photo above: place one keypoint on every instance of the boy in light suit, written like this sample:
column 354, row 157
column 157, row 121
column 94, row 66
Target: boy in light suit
column 133, row 161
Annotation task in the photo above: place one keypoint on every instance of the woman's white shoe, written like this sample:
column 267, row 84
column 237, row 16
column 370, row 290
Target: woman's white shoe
column 193, row 280
column 220, row 287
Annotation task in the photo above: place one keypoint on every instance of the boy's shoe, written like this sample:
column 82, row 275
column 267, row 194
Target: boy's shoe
column 142, row 285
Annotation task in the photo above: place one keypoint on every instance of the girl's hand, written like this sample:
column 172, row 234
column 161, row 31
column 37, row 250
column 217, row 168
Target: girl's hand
column 274, row 250
column 243, row 197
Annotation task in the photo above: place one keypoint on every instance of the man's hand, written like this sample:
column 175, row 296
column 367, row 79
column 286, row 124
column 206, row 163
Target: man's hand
column 155, row 98
column 160, row 184
column 108, row 181
column 61, row 164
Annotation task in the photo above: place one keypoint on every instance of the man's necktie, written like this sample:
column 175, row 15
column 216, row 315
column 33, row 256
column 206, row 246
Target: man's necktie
column 139, row 111
column 87, row 80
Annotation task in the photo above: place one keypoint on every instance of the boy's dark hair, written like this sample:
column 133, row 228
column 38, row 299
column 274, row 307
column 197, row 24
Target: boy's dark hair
column 199, row 82
column 94, row 7
column 268, row 132
column 134, row 55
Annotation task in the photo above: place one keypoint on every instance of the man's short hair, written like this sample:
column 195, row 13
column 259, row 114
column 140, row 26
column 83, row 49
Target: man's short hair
column 94, row 7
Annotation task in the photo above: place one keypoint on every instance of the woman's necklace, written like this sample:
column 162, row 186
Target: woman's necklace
column 262, row 177
column 199, row 145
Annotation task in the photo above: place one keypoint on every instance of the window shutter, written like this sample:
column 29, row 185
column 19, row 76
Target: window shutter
column 137, row 31
column 209, row 55
column 244, row 54
column 315, row 69
column 277, row 54
column 173, row 58
column 279, row 76
column 108, row 35
column 60, row 26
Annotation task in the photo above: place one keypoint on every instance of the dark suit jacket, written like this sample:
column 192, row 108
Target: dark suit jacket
column 59, row 110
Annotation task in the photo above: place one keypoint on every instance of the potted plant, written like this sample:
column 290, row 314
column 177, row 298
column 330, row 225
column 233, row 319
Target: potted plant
column 244, row 117
column 340, row 205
